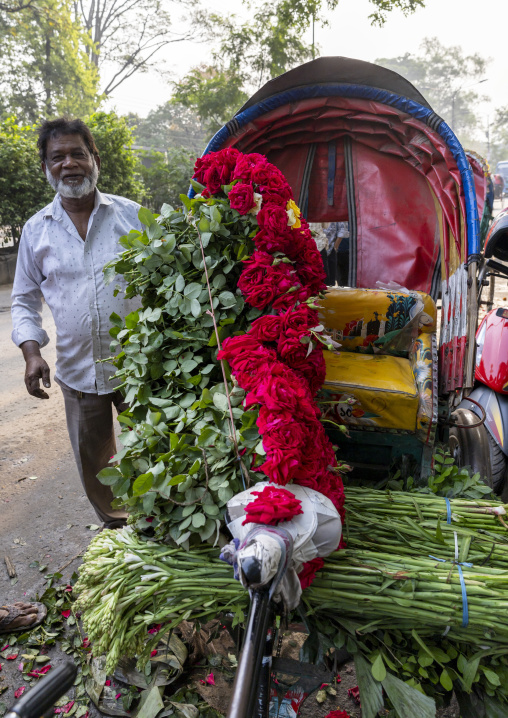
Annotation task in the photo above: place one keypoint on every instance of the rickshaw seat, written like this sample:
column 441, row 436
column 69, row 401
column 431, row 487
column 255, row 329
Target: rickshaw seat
column 383, row 374
column 382, row 387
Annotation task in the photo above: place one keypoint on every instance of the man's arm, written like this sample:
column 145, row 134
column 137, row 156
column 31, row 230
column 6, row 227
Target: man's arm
column 27, row 332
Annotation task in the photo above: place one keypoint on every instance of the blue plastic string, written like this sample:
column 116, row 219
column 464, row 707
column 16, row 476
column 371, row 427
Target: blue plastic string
column 465, row 607
column 448, row 511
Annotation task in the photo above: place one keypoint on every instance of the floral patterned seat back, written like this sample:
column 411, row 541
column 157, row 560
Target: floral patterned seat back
column 375, row 321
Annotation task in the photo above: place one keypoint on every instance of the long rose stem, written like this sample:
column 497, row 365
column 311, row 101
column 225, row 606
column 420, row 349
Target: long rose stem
column 211, row 312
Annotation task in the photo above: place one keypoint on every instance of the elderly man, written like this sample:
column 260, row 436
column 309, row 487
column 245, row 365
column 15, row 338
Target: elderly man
column 62, row 251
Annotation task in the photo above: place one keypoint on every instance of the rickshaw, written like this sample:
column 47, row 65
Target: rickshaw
column 360, row 145
column 484, row 187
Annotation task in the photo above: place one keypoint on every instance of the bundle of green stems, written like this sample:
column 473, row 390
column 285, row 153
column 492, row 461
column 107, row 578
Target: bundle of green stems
column 416, row 524
column 389, row 576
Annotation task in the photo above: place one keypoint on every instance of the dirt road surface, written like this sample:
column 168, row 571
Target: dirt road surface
column 43, row 509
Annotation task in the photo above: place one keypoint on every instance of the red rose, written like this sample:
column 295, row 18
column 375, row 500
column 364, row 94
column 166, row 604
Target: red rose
column 268, row 242
column 280, row 389
column 272, row 506
column 270, row 180
column 261, row 283
column 246, row 164
column 297, row 321
column 246, row 357
column 313, row 368
column 273, row 219
column 266, row 329
column 309, row 570
column 291, row 350
column 215, row 168
column 280, row 466
column 241, row 198
column 212, row 179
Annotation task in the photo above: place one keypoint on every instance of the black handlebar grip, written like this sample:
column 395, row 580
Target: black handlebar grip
column 45, row 694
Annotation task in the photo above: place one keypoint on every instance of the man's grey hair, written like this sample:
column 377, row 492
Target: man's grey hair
column 86, row 186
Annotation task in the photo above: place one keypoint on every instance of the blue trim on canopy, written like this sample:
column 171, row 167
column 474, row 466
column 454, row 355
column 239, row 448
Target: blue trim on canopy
column 377, row 95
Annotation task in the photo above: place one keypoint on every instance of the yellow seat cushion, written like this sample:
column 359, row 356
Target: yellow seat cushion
column 374, row 390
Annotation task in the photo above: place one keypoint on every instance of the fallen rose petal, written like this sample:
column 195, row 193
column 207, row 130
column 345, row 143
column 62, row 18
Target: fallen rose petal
column 210, row 679
column 5, row 647
column 118, row 695
column 21, row 666
column 12, row 657
column 66, row 613
column 67, row 589
column 66, row 708
column 107, row 683
column 86, row 642
column 19, row 692
column 337, row 714
column 153, row 653
column 354, row 693
column 202, row 681
column 44, row 670
column 323, row 685
column 338, row 679
column 155, row 629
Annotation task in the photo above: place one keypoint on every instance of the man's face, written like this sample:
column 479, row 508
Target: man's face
column 70, row 167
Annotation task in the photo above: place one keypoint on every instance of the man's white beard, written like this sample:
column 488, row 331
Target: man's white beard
column 75, row 191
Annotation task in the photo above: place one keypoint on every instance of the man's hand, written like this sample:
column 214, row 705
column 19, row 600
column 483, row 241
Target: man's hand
column 36, row 369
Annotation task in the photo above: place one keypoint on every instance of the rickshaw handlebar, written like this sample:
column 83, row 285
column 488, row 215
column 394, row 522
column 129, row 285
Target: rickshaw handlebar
column 45, row 694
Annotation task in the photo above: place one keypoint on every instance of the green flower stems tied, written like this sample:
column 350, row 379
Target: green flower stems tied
column 127, row 584
column 384, row 581
column 412, row 524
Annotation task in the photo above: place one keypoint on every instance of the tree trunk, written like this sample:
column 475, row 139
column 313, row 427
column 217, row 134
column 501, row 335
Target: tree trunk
column 47, row 75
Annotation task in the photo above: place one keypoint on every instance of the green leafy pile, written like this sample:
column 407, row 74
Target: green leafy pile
column 170, row 377
column 446, row 479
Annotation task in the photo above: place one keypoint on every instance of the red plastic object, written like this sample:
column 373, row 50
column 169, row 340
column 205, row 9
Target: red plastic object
column 492, row 352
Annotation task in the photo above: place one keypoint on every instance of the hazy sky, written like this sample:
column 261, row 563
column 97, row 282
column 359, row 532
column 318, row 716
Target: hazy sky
column 476, row 26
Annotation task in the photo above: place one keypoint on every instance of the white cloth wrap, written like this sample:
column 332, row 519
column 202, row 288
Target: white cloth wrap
column 315, row 532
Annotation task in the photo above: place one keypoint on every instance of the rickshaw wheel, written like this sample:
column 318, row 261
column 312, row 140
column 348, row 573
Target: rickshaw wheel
column 472, row 447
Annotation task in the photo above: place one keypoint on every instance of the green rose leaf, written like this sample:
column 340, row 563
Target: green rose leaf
column 227, row 299
column 195, row 307
column 198, row 520
column 142, row 484
column 221, row 401
column 145, row 216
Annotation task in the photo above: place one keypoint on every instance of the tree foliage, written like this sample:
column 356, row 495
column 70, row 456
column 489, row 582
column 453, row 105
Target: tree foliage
column 250, row 53
column 447, row 78
column 125, row 35
column 213, row 94
column 500, row 135
column 23, row 187
column 120, row 165
column 170, row 125
column 166, row 176
column 44, row 69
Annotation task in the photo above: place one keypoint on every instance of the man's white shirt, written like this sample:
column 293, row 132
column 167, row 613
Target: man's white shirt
column 54, row 263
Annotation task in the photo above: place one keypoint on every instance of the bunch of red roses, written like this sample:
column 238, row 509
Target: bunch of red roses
column 276, row 362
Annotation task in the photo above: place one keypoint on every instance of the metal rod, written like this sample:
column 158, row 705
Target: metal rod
column 263, row 695
column 246, row 682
